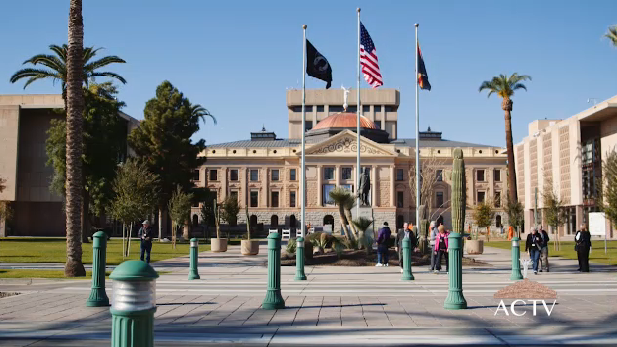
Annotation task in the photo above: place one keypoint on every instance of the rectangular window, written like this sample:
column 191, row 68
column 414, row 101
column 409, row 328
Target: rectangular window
column 254, row 175
column 328, row 173
column 320, row 108
column 399, row 174
column 439, row 175
column 292, row 199
column 307, row 108
column 196, row 175
column 400, row 199
column 346, row 173
column 480, row 175
column 326, row 200
column 254, row 199
column 292, row 174
column 438, row 199
column 497, row 174
column 308, row 125
column 481, row 196
column 213, row 175
column 233, row 175
column 352, row 109
column 274, row 199
column 234, row 194
column 377, row 108
column 389, row 109
column 366, row 108
column 497, row 199
column 275, row 175
column 335, row 109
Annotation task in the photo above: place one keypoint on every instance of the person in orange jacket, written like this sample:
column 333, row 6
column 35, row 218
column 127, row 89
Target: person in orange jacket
column 510, row 233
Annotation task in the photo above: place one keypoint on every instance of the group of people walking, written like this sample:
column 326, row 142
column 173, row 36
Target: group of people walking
column 438, row 244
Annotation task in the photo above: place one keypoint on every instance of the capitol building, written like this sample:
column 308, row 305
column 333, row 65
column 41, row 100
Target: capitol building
column 263, row 171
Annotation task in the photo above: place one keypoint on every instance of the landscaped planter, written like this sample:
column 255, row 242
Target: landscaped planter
column 249, row 247
column 475, row 246
column 218, row 245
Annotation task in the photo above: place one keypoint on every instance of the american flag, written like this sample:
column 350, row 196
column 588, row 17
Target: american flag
column 368, row 59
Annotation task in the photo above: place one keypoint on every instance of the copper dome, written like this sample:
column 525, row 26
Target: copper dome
column 345, row 120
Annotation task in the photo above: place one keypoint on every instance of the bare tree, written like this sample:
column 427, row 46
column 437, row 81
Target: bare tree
column 429, row 169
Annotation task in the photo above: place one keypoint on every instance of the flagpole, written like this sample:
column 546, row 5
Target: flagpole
column 358, row 169
column 417, row 137
column 302, row 167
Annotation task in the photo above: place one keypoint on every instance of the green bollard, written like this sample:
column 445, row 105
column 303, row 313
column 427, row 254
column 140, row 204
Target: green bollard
column 133, row 304
column 300, row 275
column 274, row 300
column 98, row 297
column 455, row 299
column 516, row 256
column 407, row 275
column 193, row 275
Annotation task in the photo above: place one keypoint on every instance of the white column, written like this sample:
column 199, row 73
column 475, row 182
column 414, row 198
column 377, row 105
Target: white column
column 375, row 187
column 392, row 188
column 319, row 185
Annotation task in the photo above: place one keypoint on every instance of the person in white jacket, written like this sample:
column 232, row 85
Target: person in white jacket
column 432, row 234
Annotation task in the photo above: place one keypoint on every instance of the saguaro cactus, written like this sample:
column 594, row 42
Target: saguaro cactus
column 459, row 192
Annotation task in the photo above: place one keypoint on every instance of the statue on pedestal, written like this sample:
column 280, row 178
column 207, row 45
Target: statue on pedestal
column 365, row 188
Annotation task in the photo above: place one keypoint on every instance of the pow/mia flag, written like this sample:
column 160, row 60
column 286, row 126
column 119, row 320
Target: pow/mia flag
column 317, row 65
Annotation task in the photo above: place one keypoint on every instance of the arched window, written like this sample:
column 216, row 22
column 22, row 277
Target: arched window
column 399, row 221
column 498, row 221
column 195, row 220
column 253, row 221
column 274, row 222
column 292, row 221
column 328, row 220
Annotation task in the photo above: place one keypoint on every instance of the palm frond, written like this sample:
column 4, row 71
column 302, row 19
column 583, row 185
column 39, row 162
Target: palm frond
column 486, row 85
column 90, row 52
column 612, row 34
column 199, row 111
column 103, row 62
column 519, row 86
column 108, row 74
column 34, row 75
column 339, row 195
column 61, row 51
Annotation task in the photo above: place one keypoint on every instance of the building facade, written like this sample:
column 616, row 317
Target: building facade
column 263, row 172
column 24, row 121
column 566, row 156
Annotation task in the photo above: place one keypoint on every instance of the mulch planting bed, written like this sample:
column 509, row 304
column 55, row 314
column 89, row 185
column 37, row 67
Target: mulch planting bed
column 360, row 258
column 7, row 294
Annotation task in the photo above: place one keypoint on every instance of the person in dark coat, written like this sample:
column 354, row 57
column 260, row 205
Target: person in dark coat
column 544, row 250
column 400, row 236
column 145, row 235
column 383, row 245
column 533, row 247
column 582, row 247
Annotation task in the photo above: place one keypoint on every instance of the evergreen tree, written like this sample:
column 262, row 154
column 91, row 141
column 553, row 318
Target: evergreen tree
column 608, row 198
column 163, row 142
column 179, row 207
column 230, row 210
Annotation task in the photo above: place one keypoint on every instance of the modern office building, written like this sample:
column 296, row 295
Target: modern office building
column 263, row 171
column 24, row 121
column 566, row 155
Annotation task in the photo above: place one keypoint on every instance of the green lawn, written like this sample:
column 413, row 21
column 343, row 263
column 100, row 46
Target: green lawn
column 28, row 273
column 53, row 250
column 567, row 250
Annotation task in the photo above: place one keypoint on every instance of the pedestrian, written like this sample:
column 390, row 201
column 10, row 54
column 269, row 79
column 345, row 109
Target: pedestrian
column 407, row 231
column 533, row 247
column 544, row 250
column 383, row 245
column 432, row 235
column 145, row 235
column 582, row 247
column 441, row 248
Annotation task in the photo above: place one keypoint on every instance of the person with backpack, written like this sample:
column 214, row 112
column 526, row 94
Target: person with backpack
column 432, row 235
column 383, row 245
column 533, row 246
column 582, row 246
column 441, row 248
column 544, row 250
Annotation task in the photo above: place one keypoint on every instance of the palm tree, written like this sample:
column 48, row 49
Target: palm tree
column 56, row 67
column 199, row 111
column 365, row 240
column 348, row 204
column 505, row 86
column 73, row 81
column 340, row 196
column 612, row 34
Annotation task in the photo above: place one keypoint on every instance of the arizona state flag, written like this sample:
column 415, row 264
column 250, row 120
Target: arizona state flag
column 317, row 65
column 422, row 76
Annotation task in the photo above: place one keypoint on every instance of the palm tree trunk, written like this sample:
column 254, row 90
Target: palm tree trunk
column 74, row 141
column 160, row 223
column 507, row 107
column 341, row 214
column 351, row 226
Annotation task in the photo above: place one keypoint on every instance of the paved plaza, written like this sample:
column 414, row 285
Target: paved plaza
column 336, row 305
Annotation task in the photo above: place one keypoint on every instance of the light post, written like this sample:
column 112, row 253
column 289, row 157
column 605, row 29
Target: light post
column 133, row 304
column 455, row 299
column 98, row 297
column 300, row 275
column 274, row 300
column 516, row 255
column 407, row 275
column 193, row 274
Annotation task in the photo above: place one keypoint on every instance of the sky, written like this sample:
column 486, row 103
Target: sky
column 238, row 58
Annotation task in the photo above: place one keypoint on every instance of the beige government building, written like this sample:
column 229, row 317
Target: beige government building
column 263, row 170
column 567, row 155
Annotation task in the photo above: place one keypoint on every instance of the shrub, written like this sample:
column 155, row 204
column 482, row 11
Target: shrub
column 291, row 246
